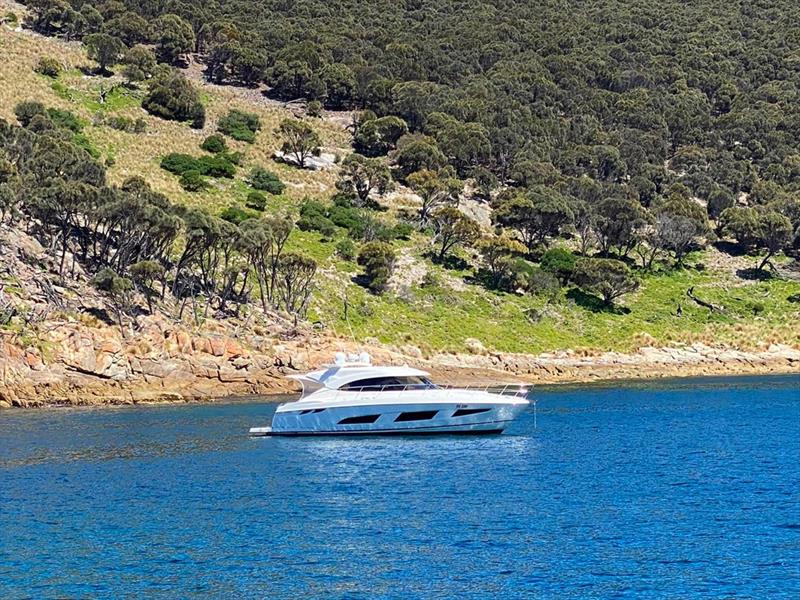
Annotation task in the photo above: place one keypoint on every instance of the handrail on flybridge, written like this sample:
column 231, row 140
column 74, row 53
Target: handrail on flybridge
column 500, row 389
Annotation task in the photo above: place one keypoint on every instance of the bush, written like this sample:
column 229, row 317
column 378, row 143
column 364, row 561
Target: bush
column 347, row 217
column 214, row 143
column 235, row 158
column 240, row 125
column 174, row 98
column 26, row 110
column 346, row 249
column 11, row 19
column 216, row 166
column 264, row 180
column 80, row 140
column 718, row 200
column 179, row 163
column 313, row 217
column 127, row 124
column 559, row 262
column 539, row 282
column 65, row 119
column 519, row 274
column 48, row 66
column 314, row 108
column 236, row 214
column 403, row 231
column 360, row 224
column 212, row 166
column 606, row 277
column 378, row 259
column 192, row 181
column 256, row 201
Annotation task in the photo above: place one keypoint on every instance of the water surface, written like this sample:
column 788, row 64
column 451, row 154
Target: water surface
column 671, row 489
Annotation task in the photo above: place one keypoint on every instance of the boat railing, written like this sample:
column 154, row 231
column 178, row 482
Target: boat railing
column 518, row 390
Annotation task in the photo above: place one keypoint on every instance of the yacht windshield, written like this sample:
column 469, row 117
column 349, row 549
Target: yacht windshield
column 389, row 384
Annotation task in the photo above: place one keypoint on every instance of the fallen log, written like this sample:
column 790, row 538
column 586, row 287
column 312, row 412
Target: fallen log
column 703, row 303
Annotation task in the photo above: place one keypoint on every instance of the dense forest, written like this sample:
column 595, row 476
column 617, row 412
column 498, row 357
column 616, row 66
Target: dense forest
column 634, row 132
column 535, row 92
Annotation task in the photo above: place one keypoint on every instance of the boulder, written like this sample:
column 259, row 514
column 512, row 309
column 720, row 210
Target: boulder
column 474, row 346
column 217, row 346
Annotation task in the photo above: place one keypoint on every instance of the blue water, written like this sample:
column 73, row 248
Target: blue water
column 666, row 490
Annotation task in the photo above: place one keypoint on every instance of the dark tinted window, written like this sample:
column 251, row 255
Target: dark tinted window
column 463, row 412
column 388, row 384
column 359, row 420
column 420, row 415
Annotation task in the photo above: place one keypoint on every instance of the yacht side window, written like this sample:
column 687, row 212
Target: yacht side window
column 388, row 384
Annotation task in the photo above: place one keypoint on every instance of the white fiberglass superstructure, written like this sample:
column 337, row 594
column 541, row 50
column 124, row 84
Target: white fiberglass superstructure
column 354, row 397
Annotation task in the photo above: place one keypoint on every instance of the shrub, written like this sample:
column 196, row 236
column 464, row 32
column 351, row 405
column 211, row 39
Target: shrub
column 313, row 217
column 179, row 163
column 26, row 110
column 212, row 166
column 80, row 140
column 65, row 119
column 214, row 143
column 236, row 214
column 127, row 124
column 403, row 230
column 559, row 262
column 537, row 281
column 48, row 66
column 216, row 166
column 378, row 259
column 361, row 225
column 264, row 180
column 608, row 278
column 347, row 217
column 174, row 98
column 235, row 158
column 314, row 108
column 256, row 201
column 192, row 181
column 346, row 249
column 718, row 200
column 240, row 125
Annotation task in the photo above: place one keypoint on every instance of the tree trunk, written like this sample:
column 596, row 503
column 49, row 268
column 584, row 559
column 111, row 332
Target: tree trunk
column 764, row 262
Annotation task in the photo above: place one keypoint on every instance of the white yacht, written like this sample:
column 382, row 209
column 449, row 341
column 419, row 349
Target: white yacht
column 352, row 396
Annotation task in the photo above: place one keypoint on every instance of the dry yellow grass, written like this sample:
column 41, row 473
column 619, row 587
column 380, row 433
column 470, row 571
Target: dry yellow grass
column 139, row 154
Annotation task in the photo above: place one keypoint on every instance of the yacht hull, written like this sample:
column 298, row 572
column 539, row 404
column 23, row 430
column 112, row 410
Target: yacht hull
column 425, row 417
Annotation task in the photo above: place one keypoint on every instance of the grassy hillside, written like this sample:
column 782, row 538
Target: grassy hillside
column 427, row 306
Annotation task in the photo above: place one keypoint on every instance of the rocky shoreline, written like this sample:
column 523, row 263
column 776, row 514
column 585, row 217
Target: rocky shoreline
column 64, row 349
column 78, row 365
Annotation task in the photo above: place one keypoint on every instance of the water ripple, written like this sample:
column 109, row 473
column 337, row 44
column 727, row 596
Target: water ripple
column 672, row 489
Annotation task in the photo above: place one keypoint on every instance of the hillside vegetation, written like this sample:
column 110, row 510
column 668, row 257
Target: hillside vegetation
column 508, row 179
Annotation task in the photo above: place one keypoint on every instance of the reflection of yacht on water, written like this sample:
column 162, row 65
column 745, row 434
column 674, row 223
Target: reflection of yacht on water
column 352, row 396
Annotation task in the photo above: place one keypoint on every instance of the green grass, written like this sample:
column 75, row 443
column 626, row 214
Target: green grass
column 441, row 318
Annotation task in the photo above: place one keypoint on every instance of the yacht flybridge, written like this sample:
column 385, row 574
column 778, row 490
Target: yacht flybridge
column 354, row 397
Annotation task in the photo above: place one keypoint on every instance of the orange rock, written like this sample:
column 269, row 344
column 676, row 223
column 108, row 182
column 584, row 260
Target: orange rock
column 184, row 341
column 201, row 344
column 234, row 349
column 217, row 346
column 13, row 351
column 109, row 346
column 33, row 360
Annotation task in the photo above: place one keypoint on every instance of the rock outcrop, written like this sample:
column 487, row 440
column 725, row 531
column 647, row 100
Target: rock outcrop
column 60, row 345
